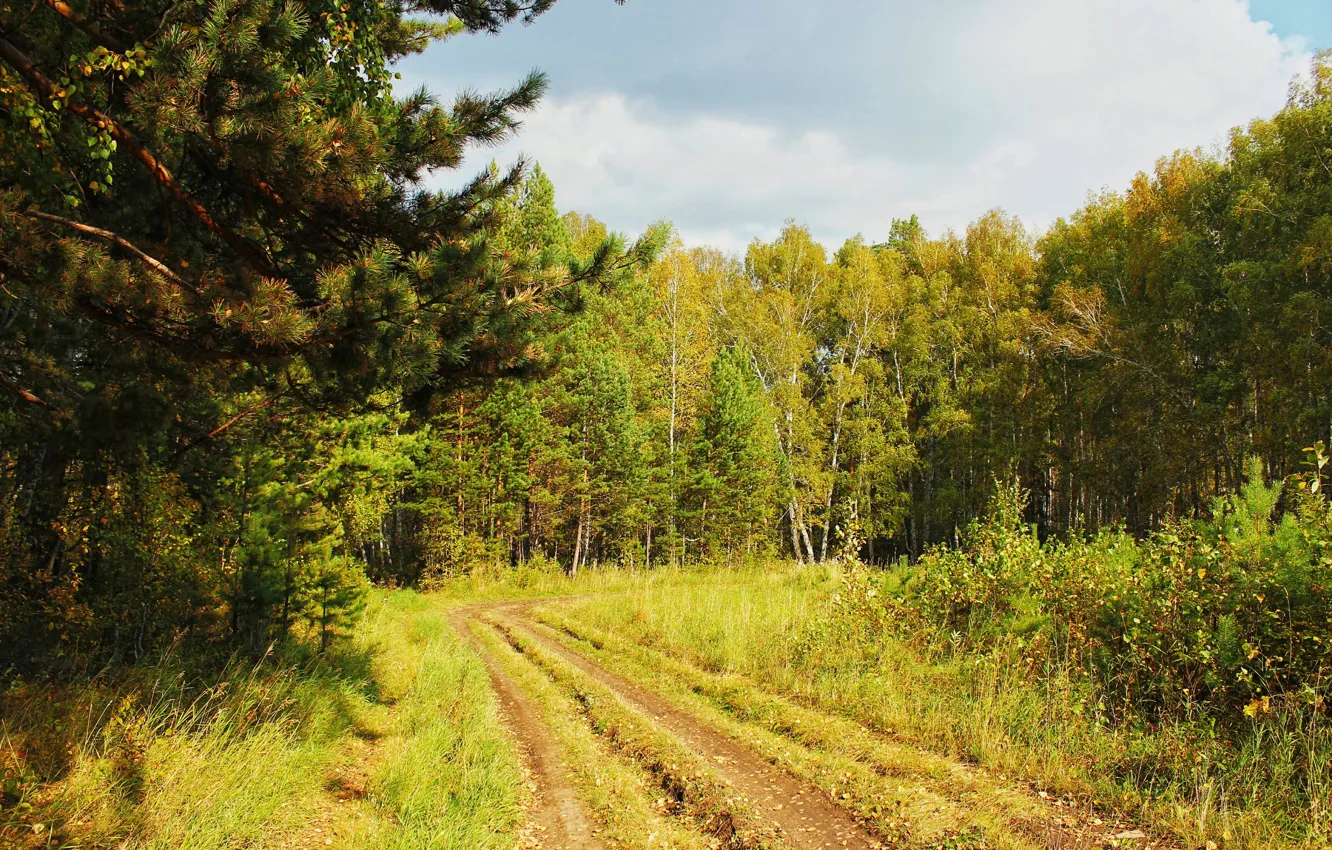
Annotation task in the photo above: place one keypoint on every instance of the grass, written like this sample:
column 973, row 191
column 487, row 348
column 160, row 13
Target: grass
column 694, row 792
column 392, row 739
column 907, row 794
column 155, row 760
column 446, row 775
column 263, row 754
column 765, row 625
column 632, row 811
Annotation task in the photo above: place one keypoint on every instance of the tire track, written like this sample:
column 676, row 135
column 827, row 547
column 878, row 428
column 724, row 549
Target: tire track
column 557, row 819
column 808, row 817
column 1025, row 813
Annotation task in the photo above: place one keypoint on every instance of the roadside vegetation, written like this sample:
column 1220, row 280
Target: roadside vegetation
column 390, row 740
column 1179, row 681
column 970, row 508
column 969, row 696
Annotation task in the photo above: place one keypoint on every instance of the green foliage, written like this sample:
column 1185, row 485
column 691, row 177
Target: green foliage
column 223, row 289
column 1223, row 619
column 733, row 462
column 979, row 589
column 894, row 384
column 336, row 595
column 1185, row 666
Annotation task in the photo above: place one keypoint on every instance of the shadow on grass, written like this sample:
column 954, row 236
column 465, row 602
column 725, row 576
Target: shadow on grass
column 108, row 723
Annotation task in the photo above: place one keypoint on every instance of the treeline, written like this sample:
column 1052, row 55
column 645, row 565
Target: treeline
column 1121, row 368
column 248, row 362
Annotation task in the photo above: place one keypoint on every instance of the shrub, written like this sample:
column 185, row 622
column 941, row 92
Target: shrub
column 1225, row 618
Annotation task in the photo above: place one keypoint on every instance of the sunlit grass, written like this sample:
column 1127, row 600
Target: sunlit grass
column 155, row 761
column 616, row 790
column 446, row 775
column 987, row 709
column 161, row 758
column 901, row 790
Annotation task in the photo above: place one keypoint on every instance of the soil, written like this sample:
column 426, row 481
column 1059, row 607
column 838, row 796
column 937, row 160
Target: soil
column 556, row 818
column 807, row 816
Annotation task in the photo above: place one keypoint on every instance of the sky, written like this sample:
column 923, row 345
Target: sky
column 729, row 117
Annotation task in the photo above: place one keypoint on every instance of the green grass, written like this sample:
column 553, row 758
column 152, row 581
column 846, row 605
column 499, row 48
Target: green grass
column 392, row 739
column 703, row 798
column 161, row 757
column 767, row 626
column 630, row 809
column 913, row 795
column 446, row 775
column 153, row 760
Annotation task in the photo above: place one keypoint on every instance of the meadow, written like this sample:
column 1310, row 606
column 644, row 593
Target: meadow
column 829, row 672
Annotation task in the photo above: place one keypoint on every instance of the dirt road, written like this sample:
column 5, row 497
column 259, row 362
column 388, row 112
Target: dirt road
column 557, row 820
column 806, row 816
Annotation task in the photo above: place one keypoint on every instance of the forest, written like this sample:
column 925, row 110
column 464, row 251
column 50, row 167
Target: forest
column 581, row 400
column 255, row 376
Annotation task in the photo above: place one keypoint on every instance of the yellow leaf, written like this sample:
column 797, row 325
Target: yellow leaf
column 1258, row 706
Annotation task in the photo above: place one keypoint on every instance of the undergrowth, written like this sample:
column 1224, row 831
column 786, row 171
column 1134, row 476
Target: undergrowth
column 167, row 755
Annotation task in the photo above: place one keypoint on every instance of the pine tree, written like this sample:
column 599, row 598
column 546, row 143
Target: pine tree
column 733, row 462
column 212, row 217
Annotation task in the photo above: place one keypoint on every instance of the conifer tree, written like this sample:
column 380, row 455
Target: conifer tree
column 733, row 462
column 212, row 216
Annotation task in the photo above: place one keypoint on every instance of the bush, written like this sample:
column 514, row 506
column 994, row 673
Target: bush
column 1225, row 619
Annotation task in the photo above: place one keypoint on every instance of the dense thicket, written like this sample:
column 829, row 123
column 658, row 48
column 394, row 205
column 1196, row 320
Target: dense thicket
column 220, row 280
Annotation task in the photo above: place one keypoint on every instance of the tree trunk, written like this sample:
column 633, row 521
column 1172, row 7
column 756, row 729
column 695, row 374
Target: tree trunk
column 795, row 534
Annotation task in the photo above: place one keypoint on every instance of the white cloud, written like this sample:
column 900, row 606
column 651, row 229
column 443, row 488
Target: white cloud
column 1074, row 96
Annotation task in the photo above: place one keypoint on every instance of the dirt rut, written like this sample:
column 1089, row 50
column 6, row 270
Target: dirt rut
column 810, row 819
column 557, row 820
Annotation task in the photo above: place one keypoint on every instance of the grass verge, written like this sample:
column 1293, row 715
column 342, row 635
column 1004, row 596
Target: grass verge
column 763, row 625
column 446, row 774
column 350, row 745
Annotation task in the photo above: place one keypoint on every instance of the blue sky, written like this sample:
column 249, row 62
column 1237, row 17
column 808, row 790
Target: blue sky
column 729, row 116
column 1309, row 19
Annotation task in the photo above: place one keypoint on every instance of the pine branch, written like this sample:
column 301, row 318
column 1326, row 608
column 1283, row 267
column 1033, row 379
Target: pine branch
column 89, row 28
column 205, row 351
column 488, row 15
column 239, row 416
column 115, row 238
column 25, row 67
column 26, row 395
column 244, row 414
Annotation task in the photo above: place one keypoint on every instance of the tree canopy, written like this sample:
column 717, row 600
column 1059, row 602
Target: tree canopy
column 249, row 359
